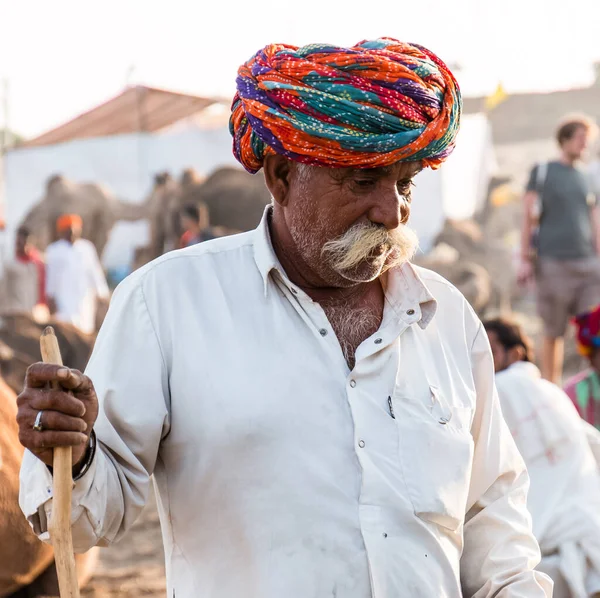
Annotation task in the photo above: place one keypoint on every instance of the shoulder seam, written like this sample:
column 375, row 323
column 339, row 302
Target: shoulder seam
column 170, row 258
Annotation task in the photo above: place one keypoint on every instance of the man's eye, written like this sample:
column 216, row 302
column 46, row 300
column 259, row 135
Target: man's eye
column 405, row 188
column 364, row 183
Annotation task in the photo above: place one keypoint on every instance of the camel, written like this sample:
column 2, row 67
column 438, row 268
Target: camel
column 235, row 199
column 26, row 564
column 164, row 206
column 20, row 345
column 96, row 205
column 230, row 201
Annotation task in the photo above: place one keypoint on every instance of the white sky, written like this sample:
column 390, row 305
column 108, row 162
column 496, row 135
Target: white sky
column 62, row 57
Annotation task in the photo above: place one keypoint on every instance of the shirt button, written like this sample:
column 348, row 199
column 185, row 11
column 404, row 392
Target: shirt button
column 443, row 420
column 378, row 341
column 352, row 383
column 384, row 535
column 361, row 443
column 410, row 312
column 323, row 332
column 293, row 290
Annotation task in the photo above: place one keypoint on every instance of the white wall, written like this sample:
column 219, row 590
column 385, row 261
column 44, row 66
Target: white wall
column 127, row 165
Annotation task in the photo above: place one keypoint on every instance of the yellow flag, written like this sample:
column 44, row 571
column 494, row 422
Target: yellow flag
column 496, row 98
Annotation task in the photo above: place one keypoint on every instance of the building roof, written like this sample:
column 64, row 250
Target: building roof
column 136, row 109
column 535, row 116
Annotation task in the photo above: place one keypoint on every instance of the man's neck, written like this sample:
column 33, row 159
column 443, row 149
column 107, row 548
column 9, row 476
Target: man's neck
column 567, row 160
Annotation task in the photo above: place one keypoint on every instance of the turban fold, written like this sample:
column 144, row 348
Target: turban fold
column 371, row 105
column 588, row 331
column 67, row 221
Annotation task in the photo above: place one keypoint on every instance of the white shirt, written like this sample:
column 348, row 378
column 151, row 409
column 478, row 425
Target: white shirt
column 75, row 279
column 279, row 472
column 564, row 499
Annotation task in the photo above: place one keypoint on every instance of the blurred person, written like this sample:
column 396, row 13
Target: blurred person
column 26, row 253
column 564, row 497
column 318, row 414
column 584, row 388
column 75, row 278
column 559, row 202
column 194, row 222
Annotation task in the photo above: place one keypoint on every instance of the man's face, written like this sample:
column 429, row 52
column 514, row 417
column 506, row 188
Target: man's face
column 72, row 233
column 499, row 352
column 347, row 224
column 188, row 224
column 575, row 146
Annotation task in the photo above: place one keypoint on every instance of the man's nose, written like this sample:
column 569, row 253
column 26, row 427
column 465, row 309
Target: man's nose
column 389, row 209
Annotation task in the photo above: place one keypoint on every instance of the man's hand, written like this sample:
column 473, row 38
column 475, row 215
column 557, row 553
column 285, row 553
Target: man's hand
column 525, row 272
column 68, row 414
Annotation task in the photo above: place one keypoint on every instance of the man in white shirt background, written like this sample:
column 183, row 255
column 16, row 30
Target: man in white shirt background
column 75, row 278
column 558, row 448
column 318, row 415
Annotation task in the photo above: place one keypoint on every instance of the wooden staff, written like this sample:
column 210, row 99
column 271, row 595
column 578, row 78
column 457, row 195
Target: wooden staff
column 60, row 523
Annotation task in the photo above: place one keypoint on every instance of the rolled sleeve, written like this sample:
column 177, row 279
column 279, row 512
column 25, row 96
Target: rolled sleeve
column 129, row 374
column 500, row 551
column 36, row 496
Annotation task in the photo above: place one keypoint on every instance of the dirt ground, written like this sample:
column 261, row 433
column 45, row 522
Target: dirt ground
column 135, row 566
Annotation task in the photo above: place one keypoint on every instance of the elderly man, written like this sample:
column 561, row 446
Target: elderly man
column 319, row 415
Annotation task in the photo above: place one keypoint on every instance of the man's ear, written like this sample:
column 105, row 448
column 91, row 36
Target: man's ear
column 278, row 172
column 515, row 354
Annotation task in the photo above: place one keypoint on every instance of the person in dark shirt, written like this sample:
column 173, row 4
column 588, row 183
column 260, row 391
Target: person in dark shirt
column 560, row 204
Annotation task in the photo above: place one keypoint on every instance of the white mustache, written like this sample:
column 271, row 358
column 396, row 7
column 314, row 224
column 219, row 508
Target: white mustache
column 368, row 241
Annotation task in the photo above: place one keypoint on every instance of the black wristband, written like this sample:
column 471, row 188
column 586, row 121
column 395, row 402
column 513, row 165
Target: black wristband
column 89, row 457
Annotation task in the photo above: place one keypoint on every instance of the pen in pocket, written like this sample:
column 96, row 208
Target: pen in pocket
column 391, row 407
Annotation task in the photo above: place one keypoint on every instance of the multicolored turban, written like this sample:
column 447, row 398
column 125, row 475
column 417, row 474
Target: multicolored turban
column 67, row 221
column 371, row 105
column 588, row 331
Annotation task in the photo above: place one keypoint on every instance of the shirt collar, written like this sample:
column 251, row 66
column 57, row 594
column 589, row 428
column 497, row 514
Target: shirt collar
column 404, row 285
column 264, row 254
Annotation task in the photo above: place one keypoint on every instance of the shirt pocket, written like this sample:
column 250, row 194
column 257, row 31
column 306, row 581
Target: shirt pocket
column 436, row 455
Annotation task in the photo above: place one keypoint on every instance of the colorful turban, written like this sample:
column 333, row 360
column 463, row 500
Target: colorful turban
column 371, row 105
column 588, row 331
column 67, row 221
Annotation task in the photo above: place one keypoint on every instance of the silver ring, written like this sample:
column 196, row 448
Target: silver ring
column 37, row 426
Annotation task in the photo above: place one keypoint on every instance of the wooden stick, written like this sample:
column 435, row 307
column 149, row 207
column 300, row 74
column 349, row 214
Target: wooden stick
column 60, row 523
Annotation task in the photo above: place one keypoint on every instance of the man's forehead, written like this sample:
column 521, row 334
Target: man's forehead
column 399, row 169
